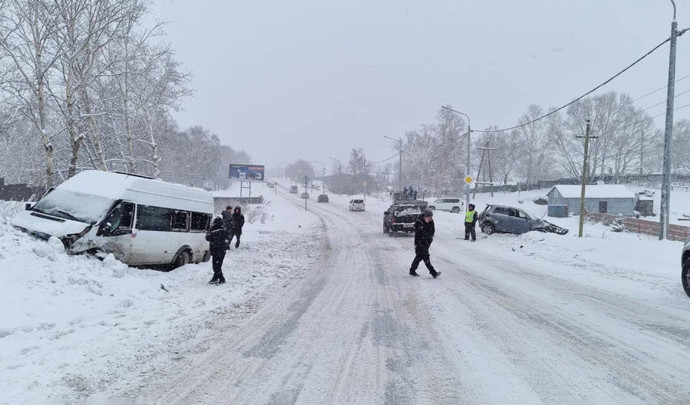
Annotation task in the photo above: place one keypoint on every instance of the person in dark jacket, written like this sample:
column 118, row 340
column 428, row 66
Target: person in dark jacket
column 424, row 230
column 471, row 217
column 227, row 218
column 237, row 224
column 218, row 238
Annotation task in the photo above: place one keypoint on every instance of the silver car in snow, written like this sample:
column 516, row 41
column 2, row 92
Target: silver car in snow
column 501, row 218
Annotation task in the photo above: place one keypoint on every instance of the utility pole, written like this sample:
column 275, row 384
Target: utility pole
column 585, row 171
column 668, row 134
column 485, row 151
column 641, row 152
column 306, row 181
column 399, row 140
column 467, row 172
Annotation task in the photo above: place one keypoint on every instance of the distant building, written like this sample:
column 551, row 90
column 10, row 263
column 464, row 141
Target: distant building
column 610, row 199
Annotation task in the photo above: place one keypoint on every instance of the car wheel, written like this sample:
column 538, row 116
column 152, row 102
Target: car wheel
column 455, row 210
column 488, row 228
column 180, row 260
column 385, row 229
column 390, row 233
column 431, row 207
column 685, row 276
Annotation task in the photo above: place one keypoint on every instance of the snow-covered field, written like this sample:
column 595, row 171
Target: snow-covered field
column 72, row 327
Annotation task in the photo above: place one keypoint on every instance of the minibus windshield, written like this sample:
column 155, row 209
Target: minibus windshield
column 74, row 206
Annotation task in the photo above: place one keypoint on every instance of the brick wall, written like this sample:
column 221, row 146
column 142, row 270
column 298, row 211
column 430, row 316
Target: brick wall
column 675, row 232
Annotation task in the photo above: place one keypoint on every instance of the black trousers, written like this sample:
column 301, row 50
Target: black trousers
column 217, row 260
column 238, row 234
column 469, row 230
column 422, row 254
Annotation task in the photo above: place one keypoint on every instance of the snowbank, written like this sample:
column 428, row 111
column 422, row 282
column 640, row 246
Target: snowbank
column 74, row 327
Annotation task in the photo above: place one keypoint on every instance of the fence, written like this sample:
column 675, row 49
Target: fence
column 675, row 232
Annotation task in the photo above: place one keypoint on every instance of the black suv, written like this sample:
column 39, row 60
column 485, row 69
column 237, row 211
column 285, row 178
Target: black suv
column 400, row 216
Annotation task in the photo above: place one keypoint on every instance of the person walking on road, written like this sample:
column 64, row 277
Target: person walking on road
column 471, row 217
column 237, row 224
column 227, row 218
column 424, row 230
column 218, row 238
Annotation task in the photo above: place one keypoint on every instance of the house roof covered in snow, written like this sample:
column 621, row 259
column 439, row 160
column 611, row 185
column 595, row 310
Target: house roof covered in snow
column 595, row 191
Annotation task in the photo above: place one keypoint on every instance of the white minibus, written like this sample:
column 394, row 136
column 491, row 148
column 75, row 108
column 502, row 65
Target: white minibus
column 141, row 221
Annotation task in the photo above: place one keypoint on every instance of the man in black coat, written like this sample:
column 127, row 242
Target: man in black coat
column 424, row 230
column 218, row 238
column 227, row 218
column 237, row 224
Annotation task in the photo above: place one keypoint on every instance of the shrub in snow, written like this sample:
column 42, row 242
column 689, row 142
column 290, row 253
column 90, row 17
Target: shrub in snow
column 255, row 213
column 617, row 224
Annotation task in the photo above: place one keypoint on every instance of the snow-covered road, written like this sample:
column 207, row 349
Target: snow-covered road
column 494, row 328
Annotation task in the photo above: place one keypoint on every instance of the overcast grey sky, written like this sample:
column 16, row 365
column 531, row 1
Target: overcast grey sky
column 312, row 79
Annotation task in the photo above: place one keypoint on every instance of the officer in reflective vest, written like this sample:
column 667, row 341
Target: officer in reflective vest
column 471, row 217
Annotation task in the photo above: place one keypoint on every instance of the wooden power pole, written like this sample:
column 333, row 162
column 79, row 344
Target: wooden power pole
column 585, row 171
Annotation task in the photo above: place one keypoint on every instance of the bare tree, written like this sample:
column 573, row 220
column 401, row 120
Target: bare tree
column 26, row 40
column 534, row 147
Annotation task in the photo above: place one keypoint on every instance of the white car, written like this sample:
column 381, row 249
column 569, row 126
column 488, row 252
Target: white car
column 357, row 205
column 447, row 204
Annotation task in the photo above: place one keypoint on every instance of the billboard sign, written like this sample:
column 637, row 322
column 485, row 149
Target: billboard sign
column 247, row 172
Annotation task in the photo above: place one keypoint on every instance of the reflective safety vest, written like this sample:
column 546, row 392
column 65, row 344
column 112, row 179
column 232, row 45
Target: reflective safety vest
column 469, row 216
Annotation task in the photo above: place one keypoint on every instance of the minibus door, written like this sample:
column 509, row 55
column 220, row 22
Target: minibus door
column 115, row 231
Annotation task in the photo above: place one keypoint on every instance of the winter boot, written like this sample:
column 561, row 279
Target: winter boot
column 414, row 273
column 435, row 274
column 214, row 280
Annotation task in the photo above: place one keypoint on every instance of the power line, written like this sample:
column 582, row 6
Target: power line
column 675, row 109
column 660, row 88
column 384, row 160
column 589, row 92
column 662, row 102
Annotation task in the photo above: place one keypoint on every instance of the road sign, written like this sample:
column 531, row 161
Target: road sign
column 469, row 179
column 364, row 183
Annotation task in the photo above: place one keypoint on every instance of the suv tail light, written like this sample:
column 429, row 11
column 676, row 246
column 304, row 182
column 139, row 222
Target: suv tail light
column 393, row 220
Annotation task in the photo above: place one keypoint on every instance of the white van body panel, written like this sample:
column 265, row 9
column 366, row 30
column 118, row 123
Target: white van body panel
column 91, row 196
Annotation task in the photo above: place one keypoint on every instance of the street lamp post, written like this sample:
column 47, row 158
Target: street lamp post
column 469, row 131
column 399, row 161
column 668, row 134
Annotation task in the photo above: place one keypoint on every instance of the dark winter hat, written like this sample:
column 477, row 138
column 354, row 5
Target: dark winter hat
column 218, row 221
column 428, row 213
column 471, row 207
column 229, row 207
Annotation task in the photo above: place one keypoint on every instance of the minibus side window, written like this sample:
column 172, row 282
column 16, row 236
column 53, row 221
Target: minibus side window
column 154, row 218
column 179, row 221
column 119, row 221
column 200, row 222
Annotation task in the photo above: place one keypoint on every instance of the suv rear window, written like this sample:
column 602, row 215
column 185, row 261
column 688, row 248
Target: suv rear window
column 357, row 201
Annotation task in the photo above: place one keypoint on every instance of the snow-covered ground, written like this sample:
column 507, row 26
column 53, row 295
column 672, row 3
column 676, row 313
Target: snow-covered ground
column 75, row 328
column 72, row 327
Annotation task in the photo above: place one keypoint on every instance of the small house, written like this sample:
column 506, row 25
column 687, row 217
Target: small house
column 609, row 199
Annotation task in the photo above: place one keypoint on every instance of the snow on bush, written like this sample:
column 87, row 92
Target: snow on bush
column 617, row 225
